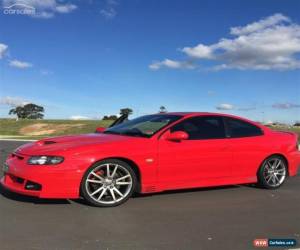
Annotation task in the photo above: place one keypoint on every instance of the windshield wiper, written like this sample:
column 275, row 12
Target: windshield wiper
column 134, row 133
column 126, row 132
column 111, row 132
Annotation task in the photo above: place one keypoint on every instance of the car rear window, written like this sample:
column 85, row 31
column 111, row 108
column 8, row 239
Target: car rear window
column 238, row 128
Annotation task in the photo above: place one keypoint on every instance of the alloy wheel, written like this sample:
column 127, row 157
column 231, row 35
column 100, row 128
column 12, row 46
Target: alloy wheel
column 274, row 171
column 108, row 183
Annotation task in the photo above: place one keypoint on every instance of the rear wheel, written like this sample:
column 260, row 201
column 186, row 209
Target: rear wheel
column 108, row 183
column 272, row 172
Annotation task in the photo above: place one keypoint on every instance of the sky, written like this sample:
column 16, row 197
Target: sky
column 88, row 58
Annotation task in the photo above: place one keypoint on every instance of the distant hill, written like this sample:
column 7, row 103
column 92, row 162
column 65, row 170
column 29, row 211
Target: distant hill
column 44, row 128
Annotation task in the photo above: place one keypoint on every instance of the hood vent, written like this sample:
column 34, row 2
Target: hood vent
column 17, row 155
column 49, row 142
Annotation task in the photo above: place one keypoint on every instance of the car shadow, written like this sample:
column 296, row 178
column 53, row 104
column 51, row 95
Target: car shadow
column 30, row 199
column 179, row 191
column 189, row 190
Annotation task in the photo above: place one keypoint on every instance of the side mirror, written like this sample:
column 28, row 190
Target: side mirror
column 100, row 130
column 177, row 136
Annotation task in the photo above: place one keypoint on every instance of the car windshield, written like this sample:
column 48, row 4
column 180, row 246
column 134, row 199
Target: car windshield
column 144, row 126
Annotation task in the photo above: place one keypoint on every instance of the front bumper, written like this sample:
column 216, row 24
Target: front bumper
column 59, row 181
column 19, row 185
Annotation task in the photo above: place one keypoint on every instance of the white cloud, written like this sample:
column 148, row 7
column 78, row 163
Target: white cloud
column 109, row 11
column 225, row 106
column 3, row 49
column 65, row 8
column 167, row 63
column 13, row 63
column 19, row 64
column 79, row 117
column 200, row 51
column 13, row 101
column 43, row 8
column 286, row 105
column 272, row 43
column 260, row 25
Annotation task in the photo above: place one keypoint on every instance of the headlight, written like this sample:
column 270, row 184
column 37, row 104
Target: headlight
column 45, row 160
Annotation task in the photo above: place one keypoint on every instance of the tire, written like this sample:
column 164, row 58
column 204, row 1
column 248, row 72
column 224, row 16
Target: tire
column 108, row 183
column 272, row 172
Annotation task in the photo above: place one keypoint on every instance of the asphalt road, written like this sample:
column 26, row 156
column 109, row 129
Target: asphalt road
column 214, row 218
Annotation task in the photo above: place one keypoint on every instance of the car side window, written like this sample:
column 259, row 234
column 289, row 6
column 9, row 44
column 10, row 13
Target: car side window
column 237, row 128
column 202, row 127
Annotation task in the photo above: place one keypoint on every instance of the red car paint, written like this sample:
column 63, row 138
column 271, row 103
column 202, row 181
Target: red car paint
column 163, row 164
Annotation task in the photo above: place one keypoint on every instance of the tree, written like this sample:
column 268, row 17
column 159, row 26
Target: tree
column 126, row 111
column 297, row 124
column 18, row 111
column 110, row 117
column 162, row 109
column 28, row 111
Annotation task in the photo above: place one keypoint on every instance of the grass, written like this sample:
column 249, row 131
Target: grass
column 25, row 129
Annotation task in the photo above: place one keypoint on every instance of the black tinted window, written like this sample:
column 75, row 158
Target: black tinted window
column 238, row 128
column 202, row 127
column 144, row 126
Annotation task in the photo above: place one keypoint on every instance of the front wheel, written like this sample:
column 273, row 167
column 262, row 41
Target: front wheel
column 272, row 172
column 108, row 183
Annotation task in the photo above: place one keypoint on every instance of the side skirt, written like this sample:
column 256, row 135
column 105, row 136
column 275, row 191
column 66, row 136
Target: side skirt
column 211, row 182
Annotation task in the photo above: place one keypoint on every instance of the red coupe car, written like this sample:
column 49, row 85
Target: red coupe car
column 153, row 153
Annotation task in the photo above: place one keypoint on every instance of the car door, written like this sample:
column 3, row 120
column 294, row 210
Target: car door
column 248, row 144
column 206, row 154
